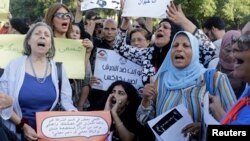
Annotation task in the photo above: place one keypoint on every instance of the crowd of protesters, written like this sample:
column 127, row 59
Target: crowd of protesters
column 175, row 57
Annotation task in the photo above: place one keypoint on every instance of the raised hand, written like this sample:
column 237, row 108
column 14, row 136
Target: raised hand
column 109, row 102
column 88, row 45
column 93, row 80
column 176, row 15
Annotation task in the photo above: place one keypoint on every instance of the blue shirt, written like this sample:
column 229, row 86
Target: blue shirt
column 243, row 116
column 35, row 97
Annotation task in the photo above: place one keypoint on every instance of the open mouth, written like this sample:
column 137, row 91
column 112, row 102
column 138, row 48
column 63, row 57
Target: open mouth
column 64, row 24
column 238, row 62
column 179, row 57
column 113, row 101
column 159, row 35
column 41, row 44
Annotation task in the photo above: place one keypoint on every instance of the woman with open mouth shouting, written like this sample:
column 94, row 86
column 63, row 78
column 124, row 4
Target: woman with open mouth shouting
column 32, row 81
column 181, row 80
column 240, row 112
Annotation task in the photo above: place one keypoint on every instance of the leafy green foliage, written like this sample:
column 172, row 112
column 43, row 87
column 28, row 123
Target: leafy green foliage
column 234, row 12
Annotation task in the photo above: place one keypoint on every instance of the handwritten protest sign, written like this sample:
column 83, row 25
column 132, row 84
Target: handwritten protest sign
column 70, row 52
column 75, row 126
column 141, row 8
column 4, row 9
column 109, row 4
column 110, row 66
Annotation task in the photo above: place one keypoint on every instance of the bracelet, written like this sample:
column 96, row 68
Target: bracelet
column 21, row 124
column 195, row 30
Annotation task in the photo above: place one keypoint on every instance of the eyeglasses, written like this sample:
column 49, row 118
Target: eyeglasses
column 63, row 15
column 243, row 42
column 138, row 39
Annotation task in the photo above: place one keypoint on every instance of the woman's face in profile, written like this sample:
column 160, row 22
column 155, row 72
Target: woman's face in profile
column 242, row 65
column 181, row 53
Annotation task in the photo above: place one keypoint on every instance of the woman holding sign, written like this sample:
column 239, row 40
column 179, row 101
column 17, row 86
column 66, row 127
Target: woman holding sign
column 32, row 81
column 122, row 102
column 181, row 80
column 60, row 20
column 152, row 57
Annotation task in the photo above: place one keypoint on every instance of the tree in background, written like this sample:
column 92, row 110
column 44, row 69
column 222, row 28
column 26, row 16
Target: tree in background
column 234, row 12
column 33, row 9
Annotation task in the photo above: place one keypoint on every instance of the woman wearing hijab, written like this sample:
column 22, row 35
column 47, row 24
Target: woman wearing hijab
column 227, row 60
column 181, row 81
column 240, row 112
column 151, row 58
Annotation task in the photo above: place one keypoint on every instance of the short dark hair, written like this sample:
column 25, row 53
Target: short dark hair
column 20, row 25
column 90, row 13
column 214, row 21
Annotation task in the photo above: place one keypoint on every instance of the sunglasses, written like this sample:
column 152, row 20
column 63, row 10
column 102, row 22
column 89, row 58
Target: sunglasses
column 243, row 42
column 63, row 15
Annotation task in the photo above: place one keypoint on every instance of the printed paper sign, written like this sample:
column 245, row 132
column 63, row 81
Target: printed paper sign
column 168, row 125
column 208, row 119
column 68, row 51
column 109, row 4
column 110, row 67
column 4, row 6
column 73, row 126
column 145, row 8
column 4, row 10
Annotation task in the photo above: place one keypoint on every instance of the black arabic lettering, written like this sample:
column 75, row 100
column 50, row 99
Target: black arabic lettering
column 123, row 70
column 144, row 2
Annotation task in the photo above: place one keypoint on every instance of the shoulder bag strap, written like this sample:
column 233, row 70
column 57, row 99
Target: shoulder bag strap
column 59, row 76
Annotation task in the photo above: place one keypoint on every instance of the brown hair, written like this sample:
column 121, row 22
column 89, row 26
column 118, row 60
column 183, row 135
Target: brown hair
column 50, row 15
column 142, row 31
